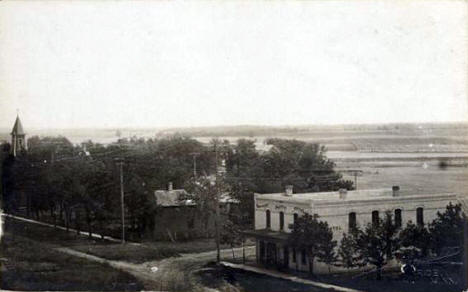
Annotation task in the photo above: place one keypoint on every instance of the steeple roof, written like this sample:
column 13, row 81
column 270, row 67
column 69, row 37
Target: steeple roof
column 17, row 128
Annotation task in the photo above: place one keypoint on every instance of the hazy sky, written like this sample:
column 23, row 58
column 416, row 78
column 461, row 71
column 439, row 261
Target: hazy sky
column 161, row 63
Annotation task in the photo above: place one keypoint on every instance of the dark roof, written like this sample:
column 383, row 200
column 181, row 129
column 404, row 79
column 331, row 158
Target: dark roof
column 17, row 128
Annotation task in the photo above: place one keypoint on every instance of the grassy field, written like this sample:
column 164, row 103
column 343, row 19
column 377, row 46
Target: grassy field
column 129, row 253
column 148, row 251
column 412, row 176
column 29, row 264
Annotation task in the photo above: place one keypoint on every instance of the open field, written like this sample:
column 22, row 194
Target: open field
column 412, row 176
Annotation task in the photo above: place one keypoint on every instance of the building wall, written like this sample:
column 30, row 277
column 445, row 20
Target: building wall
column 181, row 223
column 337, row 215
column 184, row 222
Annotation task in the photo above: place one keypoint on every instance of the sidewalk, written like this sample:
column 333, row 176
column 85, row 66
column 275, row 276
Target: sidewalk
column 284, row 276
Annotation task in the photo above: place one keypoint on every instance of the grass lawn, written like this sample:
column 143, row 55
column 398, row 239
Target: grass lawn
column 30, row 265
column 97, row 247
column 192, row 246
column 149, row 251
column 129, row 253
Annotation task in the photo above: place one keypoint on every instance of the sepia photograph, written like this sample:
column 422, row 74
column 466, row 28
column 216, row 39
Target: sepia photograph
column 234, row 146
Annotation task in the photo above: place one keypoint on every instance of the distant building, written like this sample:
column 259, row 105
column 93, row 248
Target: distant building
column 342, row 211
column 18, row 138
column 178, row 218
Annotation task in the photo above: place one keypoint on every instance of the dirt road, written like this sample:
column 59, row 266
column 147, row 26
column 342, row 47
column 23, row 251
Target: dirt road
column 175, row 273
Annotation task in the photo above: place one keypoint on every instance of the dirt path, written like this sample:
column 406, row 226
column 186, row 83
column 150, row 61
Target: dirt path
column 174, row 273
column 139, row 271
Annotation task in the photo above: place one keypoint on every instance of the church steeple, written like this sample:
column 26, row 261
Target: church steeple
column 18, row 137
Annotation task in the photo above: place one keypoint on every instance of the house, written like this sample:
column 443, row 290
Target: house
column 179, row 218
column 342, row 210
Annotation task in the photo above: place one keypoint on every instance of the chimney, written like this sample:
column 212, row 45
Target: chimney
column 169, row 186
column 343, row 193
column 289, row 190
column 396, row 191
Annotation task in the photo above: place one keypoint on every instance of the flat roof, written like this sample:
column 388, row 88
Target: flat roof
column 355, row 195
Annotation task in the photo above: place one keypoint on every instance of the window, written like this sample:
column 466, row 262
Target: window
column 281, row 218
column 303, row 256
column 295, row 218
column 398, row 217
column 375, row 217
column 352, row 220
column 420, row 216
column 294, row 255
column 268, row 219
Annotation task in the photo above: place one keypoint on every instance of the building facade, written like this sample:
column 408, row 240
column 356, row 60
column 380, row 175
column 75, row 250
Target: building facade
column 342, row 210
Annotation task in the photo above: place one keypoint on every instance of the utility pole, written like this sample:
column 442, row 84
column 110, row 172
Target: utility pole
column 120, row 163
column 195, row 154
column 218, row 252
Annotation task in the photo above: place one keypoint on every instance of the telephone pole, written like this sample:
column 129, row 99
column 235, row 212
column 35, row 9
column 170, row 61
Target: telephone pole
column 218, row 252
column 120, row 163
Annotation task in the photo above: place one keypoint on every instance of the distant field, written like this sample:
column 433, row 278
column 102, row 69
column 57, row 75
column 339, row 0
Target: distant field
column 412, row 176
column 389, row 156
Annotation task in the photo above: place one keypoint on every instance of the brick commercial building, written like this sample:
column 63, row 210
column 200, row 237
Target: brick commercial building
column 341, row 210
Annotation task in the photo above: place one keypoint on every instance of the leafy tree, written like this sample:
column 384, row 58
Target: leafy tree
column 415, row 238
column 48, row 149
column 313, row 236
column 447, row 229
column 303, row 165
column 205, row 192
column 327, row 250
column 348, row 251
column 287, row 162
column 378, row 242
column 231, row 234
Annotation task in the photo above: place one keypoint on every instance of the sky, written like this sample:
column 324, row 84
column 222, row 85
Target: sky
column 90, row 64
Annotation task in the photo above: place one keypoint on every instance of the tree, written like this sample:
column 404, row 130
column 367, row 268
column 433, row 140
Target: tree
column 327, row 250
column 447, row 229
column 348, row 251
column 313, row 236
column 205, row 192
column 287, row 162
column 415, row 240
column 378, row 242
column 231, row 234
column 303, row 165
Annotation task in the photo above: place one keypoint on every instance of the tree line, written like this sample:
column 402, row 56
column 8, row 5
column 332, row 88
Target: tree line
column 78, row 185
